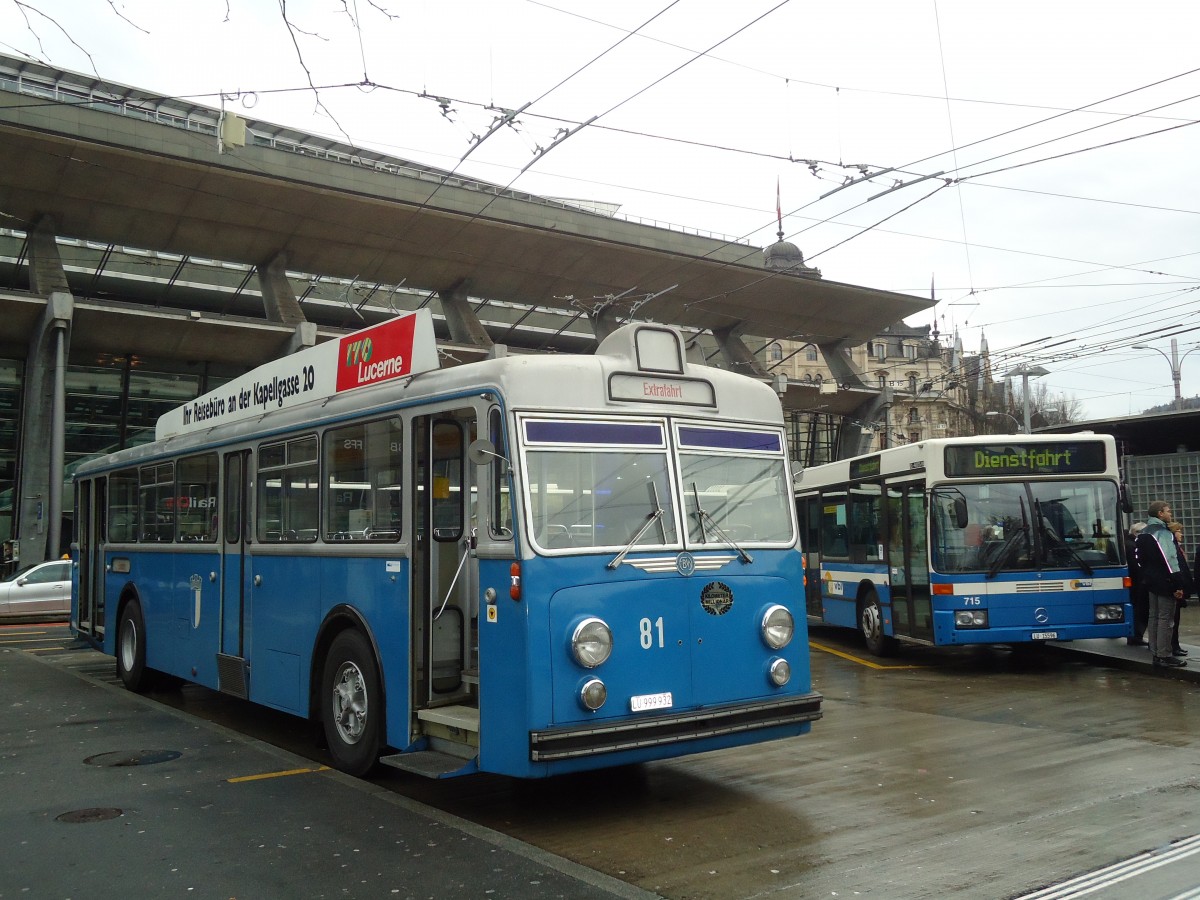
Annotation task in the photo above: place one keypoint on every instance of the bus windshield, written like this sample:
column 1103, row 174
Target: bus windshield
column 746, row 498
column 1021, row 526
column 583, row 497
column 598, row 498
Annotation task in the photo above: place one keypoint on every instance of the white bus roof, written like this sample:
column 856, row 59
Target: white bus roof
column 639, row 369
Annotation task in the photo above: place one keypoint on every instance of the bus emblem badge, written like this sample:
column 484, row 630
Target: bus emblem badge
column 716, row 598
column 685, row 563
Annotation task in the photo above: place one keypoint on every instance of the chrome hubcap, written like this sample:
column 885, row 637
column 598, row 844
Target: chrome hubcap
column 349, row 703
column 129, row 640
column 871, row 624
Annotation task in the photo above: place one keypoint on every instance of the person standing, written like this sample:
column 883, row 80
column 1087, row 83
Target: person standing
column 1189, row 584
column 1138, row 595
column 1155, row 551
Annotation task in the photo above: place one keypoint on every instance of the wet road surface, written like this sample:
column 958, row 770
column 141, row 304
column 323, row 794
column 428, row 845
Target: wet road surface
column 960, row 772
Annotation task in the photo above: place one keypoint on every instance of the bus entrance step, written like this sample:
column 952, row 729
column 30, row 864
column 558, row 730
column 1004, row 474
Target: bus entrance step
column 463, row 718
column 431, row 763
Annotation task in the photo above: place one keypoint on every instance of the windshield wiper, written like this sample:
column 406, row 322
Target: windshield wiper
column 655, row 514
column 1049, row 536
column 702, row 516
column 998, row 562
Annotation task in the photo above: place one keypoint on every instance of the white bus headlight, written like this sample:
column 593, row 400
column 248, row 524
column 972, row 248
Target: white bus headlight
column 593, row 694
column 970, row 618
column 1110, row 612
column 780, row 672
column 591, row 643
column 778, row 626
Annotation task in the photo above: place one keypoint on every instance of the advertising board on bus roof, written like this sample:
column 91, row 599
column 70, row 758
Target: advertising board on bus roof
column 397, row 348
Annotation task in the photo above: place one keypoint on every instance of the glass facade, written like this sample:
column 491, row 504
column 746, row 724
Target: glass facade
column 1174, row 477
column 102, row 416
column 10, row 416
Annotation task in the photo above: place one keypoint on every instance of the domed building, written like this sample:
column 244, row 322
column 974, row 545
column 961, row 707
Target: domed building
column 784, row 256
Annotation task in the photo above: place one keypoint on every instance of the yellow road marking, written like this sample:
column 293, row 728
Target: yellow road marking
column 871, row 664
column 4, row 640
column 242, row 778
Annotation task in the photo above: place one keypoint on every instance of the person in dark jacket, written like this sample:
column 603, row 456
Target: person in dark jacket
column 1138, row 595
column 1189, row 585
column 1158, row 560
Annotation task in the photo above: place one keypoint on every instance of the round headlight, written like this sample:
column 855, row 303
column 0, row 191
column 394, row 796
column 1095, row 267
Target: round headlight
column 591, row 643
column 778, row 626
column 780, row 672
column 593, row 694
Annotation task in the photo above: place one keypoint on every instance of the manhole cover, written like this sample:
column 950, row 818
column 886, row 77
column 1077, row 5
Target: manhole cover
column 141, row 758
column 84, row 816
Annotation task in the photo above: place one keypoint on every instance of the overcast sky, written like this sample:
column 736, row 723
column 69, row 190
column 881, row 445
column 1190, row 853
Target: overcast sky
column 1063, row 223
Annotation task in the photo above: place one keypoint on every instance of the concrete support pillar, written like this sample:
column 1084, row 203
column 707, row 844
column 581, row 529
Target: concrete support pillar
column 39, row 486
column 303, row 337
column 869, row 419
column 279, row 299
column 841, row 367
column 464, row 325
column 737, row 355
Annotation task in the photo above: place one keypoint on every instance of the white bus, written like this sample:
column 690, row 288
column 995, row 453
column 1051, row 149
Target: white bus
column 994, row 539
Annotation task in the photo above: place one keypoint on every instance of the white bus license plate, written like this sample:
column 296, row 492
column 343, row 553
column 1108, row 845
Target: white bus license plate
column 1044, row 636
column 650, row 701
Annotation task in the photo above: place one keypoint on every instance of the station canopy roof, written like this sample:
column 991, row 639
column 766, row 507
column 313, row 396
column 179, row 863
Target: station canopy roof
column 144, row 172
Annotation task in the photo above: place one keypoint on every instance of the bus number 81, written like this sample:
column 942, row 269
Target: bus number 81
column 647, row 629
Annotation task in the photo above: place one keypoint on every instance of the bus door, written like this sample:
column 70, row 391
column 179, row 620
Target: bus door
column 91, row 505
column 231, row 653
column 808, row 512
column 444, row 574
column 908, row 560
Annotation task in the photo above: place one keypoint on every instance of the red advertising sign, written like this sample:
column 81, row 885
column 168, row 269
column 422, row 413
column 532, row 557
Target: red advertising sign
column 376, row 354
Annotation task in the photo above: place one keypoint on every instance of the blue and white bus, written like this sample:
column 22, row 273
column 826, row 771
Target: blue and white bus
column 972, row 540
column 526, row 565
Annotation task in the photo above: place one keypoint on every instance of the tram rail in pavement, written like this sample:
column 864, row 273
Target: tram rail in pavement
column 109, row 794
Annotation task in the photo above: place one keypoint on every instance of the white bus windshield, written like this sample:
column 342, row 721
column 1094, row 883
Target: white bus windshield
column 1020, row 526
column 583, row 492
column 747, row 499
column 598, row 498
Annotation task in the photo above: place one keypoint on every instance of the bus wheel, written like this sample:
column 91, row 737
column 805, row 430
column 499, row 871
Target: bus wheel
column 870, row 623
column 352, row 704
column 131, row 648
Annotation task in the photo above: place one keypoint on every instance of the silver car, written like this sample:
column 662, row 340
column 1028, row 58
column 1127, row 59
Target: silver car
column 37, row 593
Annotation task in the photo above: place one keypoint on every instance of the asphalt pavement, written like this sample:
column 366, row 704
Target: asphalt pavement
column 107, row 794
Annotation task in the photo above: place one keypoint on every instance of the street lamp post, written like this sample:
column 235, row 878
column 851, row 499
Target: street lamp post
column 1174, row 362
column 1027, row 372
column 991, row 413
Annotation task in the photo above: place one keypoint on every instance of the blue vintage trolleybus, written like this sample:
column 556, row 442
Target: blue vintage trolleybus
column 527, row 565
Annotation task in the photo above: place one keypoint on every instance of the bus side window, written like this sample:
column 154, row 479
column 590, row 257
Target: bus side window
column 834, row 535
column 196, row 498
column 500, row 524
column 156, row 500
column 363, row 471
column 287, row 491
column 865, row 538
column 123, row 506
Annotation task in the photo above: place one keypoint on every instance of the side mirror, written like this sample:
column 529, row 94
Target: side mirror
column 960, row 512
column 481, row 452
column 1126, row 503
